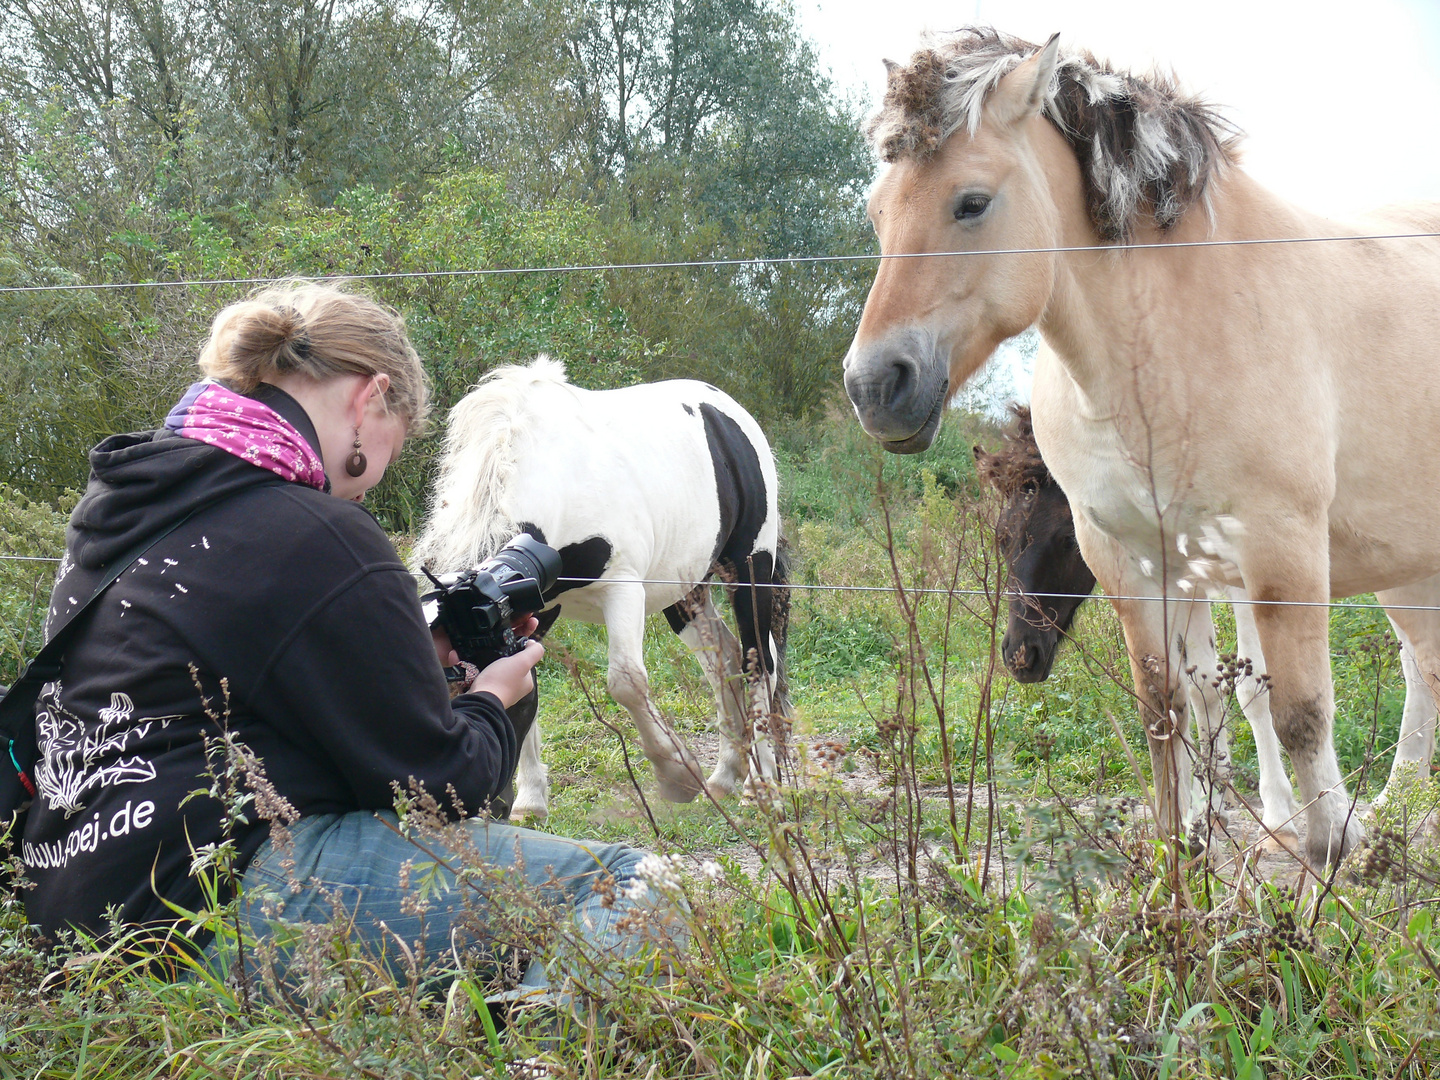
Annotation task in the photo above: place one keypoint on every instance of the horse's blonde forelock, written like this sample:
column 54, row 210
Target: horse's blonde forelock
column 1144, row 147
column 469, row 517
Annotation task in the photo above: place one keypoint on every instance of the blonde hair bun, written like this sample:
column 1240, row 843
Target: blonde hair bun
column 319, row 331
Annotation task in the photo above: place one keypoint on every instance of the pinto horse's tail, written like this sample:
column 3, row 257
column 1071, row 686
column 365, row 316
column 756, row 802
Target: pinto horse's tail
column 780, row 625
column 468, row 520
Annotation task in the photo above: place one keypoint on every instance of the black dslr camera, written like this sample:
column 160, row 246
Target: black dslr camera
column 477, row 607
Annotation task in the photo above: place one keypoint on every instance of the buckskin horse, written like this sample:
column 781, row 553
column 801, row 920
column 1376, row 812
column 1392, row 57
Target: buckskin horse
column 1214, row 377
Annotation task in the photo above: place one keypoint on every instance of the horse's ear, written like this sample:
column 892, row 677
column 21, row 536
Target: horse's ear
column 1022, row 93
column 892, row 69
column 984, row 466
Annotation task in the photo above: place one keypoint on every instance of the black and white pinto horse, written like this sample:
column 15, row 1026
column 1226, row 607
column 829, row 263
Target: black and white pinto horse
column 646, row 492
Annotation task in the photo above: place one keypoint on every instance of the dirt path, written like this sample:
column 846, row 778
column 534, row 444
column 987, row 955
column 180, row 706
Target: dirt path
column 867, row 795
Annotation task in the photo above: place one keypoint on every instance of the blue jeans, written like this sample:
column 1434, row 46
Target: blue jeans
column 404, row 905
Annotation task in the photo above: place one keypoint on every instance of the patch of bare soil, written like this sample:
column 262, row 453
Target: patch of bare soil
column 1236, row 845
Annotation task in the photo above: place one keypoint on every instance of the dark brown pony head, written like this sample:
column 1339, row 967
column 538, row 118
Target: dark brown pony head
column 1036, row 532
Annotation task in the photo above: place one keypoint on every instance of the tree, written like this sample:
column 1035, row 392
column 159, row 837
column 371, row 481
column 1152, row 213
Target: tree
column 316, row 94
column 189, row 139
column 705, row 129
column 146, row 56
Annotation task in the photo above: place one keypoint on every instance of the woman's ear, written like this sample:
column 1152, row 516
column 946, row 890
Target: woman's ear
column 367, row 391
column 361, row 391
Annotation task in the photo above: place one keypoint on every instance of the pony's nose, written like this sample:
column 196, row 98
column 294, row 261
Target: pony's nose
column 1012, row 652
column 1025, row 660
column 884, row 390
column 897, row 384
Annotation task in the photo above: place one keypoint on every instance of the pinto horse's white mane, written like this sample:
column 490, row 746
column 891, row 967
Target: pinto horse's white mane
column 1143, row 146
column 469, row 519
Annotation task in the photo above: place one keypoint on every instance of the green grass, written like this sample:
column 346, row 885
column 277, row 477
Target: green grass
column 1094, row 954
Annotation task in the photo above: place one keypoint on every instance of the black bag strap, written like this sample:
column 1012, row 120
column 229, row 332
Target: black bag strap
column 17, row 707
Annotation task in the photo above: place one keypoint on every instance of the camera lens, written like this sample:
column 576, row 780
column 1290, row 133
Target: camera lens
column 520, row 562
column 529, row 558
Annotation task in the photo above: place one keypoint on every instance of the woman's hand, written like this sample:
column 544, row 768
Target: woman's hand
column 510, row 677
column 448, row 657
column 444, row 651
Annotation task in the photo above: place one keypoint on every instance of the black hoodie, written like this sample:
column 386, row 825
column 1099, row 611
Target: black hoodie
column 284, row 608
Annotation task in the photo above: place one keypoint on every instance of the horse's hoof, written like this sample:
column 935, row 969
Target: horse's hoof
column 1280, row 842
column 523, row 812
column 677, row 782
column 678, row 793
column 1193, row 844
column 761, row 791
column 1331, row 850
column 1202, row 830
column 720, row 785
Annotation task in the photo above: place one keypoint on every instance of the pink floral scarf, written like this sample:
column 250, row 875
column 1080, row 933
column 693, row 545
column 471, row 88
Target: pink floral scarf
column 249, row 429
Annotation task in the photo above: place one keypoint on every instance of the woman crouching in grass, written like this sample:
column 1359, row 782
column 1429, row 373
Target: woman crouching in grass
column 277, row 624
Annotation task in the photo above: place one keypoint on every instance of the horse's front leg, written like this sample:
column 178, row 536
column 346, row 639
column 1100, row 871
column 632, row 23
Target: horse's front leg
column 1210, row 753
column 754, row 599
column 1156, row 669
column 676, row 770
column 1287, row 572
column 532, row 781
column 1154, row 641
column 718, row 653
column 1280, row 810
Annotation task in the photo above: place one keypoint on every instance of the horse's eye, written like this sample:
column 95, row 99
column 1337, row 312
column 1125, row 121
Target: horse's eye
column 971, row 207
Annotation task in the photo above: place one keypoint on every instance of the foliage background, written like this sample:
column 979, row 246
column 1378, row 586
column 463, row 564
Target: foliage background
column 195, row 140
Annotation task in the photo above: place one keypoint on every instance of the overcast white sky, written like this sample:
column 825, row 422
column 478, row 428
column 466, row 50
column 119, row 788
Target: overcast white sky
column 1340, row 102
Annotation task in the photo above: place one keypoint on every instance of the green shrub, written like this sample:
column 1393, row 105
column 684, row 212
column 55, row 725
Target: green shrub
column 29, row 530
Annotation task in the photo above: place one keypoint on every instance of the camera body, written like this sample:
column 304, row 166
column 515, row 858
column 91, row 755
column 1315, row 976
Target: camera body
column 476, row 607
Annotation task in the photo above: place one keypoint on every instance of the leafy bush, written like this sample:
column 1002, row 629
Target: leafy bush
column 29, row 530
column 828, row 648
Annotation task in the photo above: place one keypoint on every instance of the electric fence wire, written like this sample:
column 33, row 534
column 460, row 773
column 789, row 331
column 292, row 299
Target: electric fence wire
column 1004, row 594
column 762, row 260
column 795, row 260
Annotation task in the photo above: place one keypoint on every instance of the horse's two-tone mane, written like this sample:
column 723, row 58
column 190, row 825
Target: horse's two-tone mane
column 469, row 520
column 1018, row 463
column 1144, row 148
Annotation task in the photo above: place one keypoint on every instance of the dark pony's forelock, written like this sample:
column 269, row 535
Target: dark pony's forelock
column 1017, row 464
column 1145, row 149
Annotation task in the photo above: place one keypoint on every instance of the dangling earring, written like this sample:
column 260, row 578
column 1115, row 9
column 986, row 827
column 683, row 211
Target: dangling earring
column 355, row 463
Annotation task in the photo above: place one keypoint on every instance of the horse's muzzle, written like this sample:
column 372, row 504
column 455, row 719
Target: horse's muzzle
column 898, row 389
column 1028, row 656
